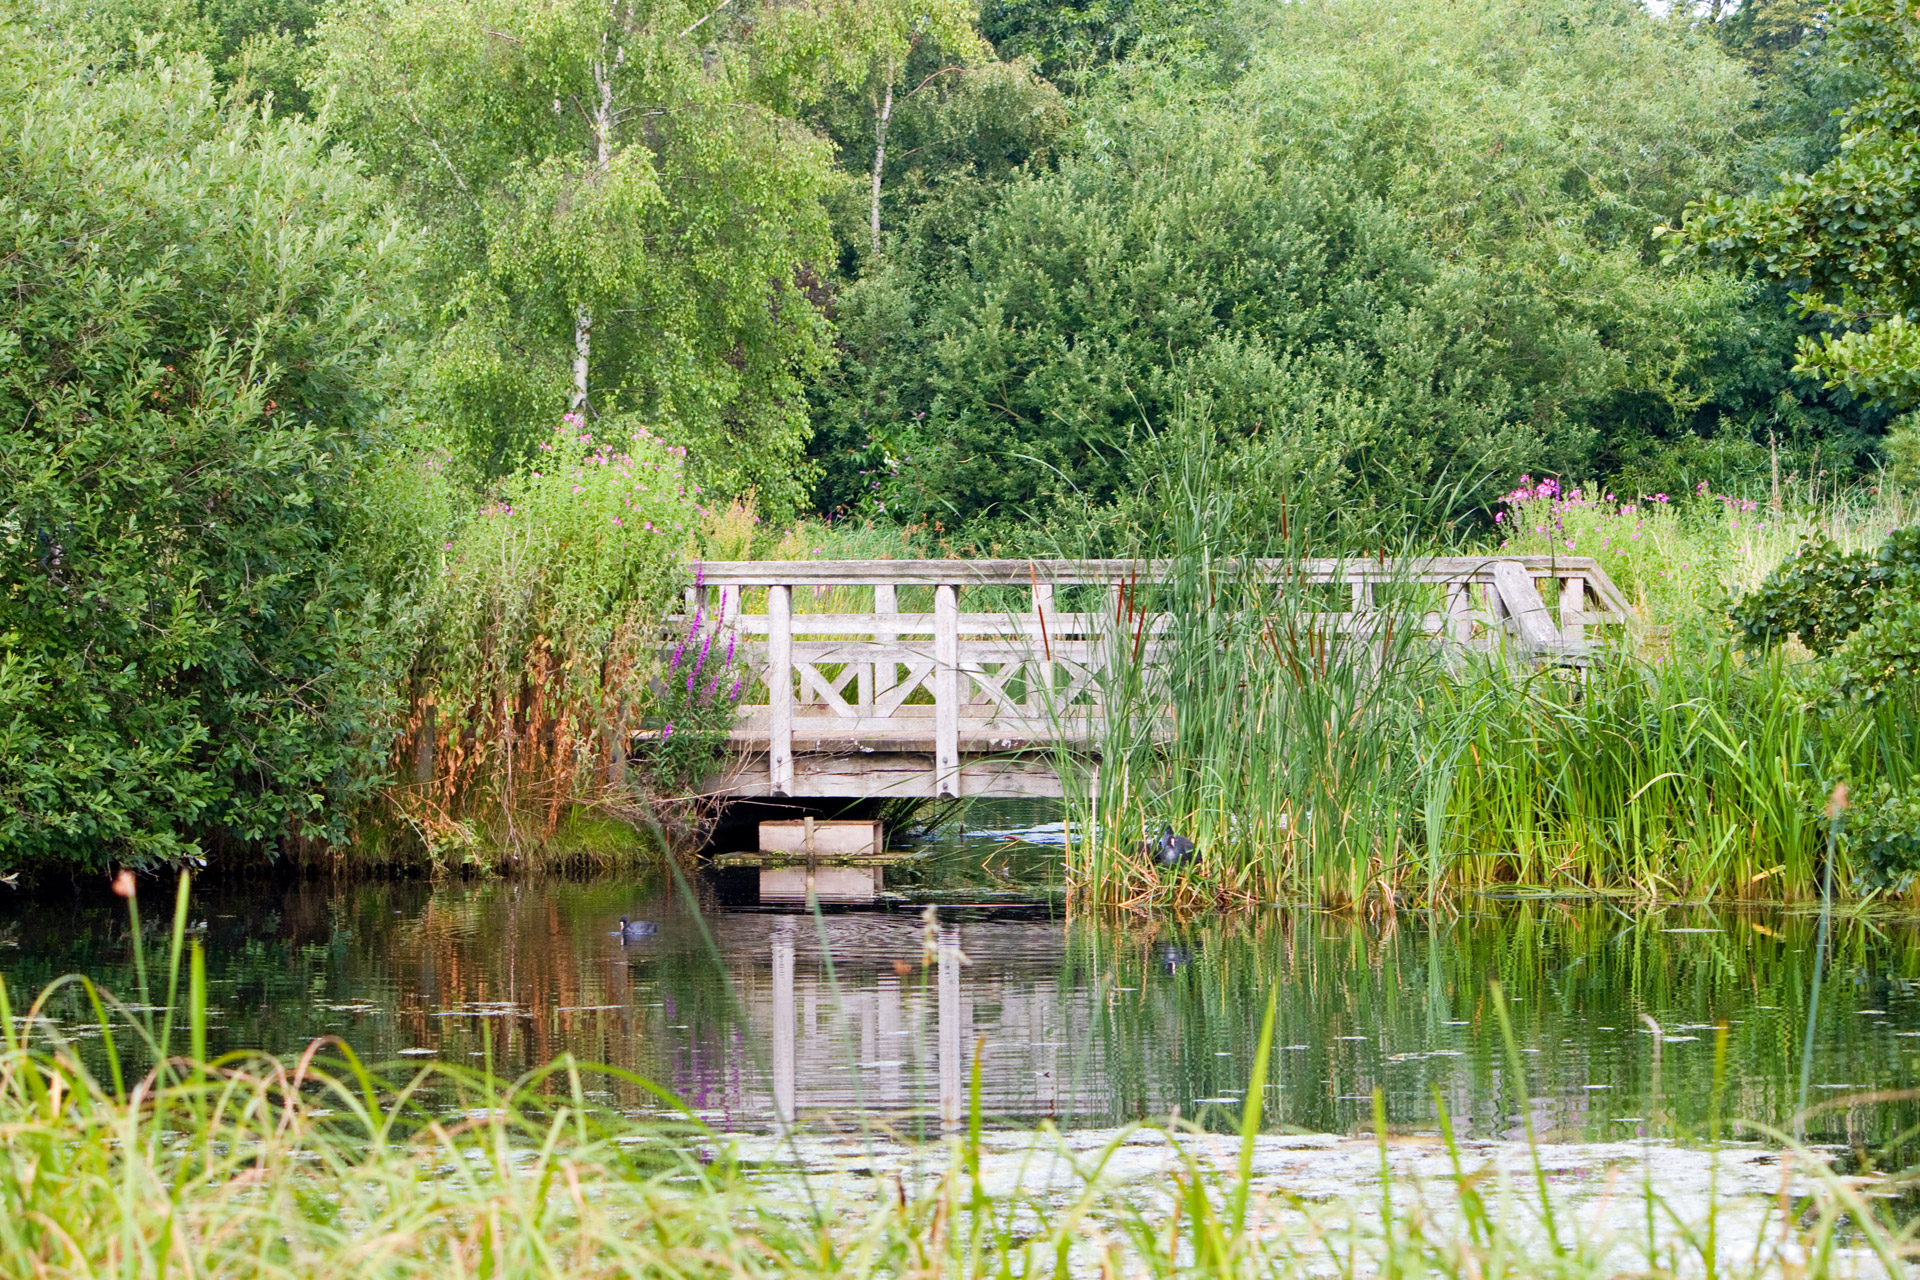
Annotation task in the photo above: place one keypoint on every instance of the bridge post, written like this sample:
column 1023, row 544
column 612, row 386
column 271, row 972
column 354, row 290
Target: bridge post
column 1573, row 603
column 780, row 689
column 946, row 690
column 880, row 676
column 1040, row 678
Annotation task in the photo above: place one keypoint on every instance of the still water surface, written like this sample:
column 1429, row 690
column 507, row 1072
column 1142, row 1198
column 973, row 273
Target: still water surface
column 841, row 1018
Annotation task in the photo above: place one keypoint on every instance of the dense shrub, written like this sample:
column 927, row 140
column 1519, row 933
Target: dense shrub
column 196, row 358
column 1823, row 595
column 543, row 637
column 1408, row 250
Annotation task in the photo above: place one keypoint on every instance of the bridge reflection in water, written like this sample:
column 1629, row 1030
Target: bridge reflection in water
column 894, row 1039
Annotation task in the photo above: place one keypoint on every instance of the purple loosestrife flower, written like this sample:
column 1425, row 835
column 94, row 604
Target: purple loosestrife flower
column 666, row 732
column 733, row 694
column 705, row 645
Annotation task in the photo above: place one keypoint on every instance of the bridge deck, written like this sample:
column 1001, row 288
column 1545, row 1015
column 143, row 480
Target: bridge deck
column 864, row 700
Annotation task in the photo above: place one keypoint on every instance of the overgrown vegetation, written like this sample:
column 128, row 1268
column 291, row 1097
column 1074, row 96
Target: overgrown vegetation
column 299, row 292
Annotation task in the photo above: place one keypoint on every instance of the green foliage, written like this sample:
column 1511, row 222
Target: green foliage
column 1408, row 248
column 693, row 706
column 1672, row 556
column 256, row 47
column 544, row 631
column 1845, row 236
column 1823, row 595
column 206, row 321
column 1072, row 40
column 1882, row 832
column 597, row 184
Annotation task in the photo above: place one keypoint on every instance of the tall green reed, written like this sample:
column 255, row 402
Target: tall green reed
column 1339, row 757
column 1257, row 712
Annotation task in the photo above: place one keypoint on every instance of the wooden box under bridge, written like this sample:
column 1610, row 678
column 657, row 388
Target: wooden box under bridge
column 836, row 862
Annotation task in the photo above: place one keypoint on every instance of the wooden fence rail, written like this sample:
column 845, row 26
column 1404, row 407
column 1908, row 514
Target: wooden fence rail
column 863, row 699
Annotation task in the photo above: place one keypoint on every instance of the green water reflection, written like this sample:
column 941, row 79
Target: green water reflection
column 1086, row 1023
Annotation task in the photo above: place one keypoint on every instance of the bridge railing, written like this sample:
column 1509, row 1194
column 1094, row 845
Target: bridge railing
column 878, row 679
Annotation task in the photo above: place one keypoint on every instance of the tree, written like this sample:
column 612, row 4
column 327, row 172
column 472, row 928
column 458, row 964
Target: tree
column 258, row 47
column 206, row 329
column 616, row 224
column 869, row 45
column 1409, row 245
column 1846, row 237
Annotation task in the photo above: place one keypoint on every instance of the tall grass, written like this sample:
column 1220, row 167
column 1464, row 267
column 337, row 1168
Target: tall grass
column 1313, row 762
column 252, row 1166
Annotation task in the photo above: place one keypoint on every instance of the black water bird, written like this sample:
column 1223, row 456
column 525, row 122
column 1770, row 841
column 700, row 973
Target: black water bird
column 1174, row 958
column 1171, row 850
column 631, row 930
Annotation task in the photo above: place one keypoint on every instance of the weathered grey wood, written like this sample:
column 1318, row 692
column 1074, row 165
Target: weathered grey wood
column 1040, row 685
column 780, row 688
column 883, row 703
column 1526, row 613
column 891, row 775
column 1573, row 594
column 827, row 573
column 921, row 625
column 946, row 688
column 755, row 861
column 1460, row 612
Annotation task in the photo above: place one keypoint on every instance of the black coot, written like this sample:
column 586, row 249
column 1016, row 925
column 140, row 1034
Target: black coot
column 1171, row 850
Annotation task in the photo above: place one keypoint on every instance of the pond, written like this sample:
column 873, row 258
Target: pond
column 840, row 1018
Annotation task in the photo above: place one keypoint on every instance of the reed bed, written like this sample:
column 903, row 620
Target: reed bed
column 248, row 1165
column 1322, row 765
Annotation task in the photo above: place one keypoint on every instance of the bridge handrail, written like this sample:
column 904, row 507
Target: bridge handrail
column 1067, row 573
column 811, row 658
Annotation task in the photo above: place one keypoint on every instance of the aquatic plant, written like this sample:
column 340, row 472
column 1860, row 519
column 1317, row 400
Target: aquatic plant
column 247, row 1165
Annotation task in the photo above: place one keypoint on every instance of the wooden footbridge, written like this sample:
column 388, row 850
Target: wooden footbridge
column 864, row 699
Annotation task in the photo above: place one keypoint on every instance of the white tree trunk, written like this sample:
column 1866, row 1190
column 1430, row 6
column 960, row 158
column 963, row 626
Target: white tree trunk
column 602, row 153
column 582, row 356
column 880, row 158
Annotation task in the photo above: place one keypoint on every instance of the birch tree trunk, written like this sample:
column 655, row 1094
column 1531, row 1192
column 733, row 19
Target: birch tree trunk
column 880, row 123
column 602, row 151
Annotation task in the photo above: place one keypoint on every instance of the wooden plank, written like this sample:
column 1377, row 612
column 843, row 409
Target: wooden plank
column 1040, row 674
column 1573, row 593
column 946, row 688
column 890, row 625
column 754, row 861
column 1526, row 613
column 835, row 838
column 888, row 775
column 1460, row 612
column 780, row 688
column 1020, row 573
